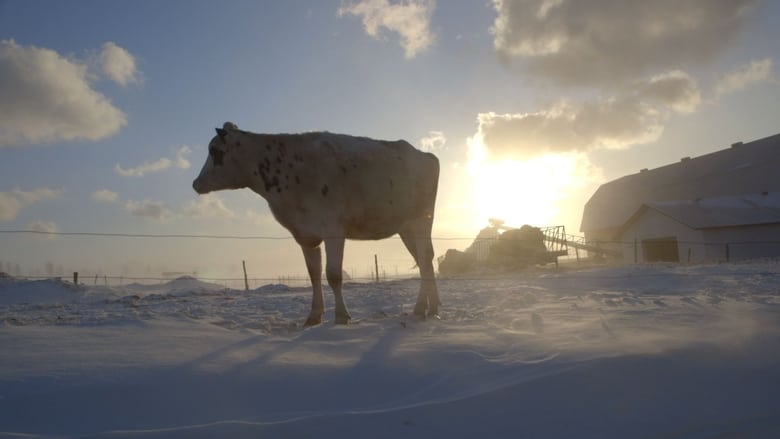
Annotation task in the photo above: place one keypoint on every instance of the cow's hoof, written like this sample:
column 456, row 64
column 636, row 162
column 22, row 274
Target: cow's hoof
column 343, row 320
column 312, row 321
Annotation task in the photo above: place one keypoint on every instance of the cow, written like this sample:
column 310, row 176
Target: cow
column 326, row 188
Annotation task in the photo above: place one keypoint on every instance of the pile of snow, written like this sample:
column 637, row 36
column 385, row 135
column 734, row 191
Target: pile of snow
column 635, row 351
column 15, row 291
column 183, row 283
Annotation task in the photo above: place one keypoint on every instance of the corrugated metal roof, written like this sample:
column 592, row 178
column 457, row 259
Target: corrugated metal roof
column 743, row 170
column 723, row 211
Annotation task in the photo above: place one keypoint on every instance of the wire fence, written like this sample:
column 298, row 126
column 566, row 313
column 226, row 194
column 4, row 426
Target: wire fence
column 633, row 251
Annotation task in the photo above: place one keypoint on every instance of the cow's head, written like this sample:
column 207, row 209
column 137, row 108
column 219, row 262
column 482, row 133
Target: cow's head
column 221, row 169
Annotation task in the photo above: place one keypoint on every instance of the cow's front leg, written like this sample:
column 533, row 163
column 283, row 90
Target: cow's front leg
column 313, row 258
column 334, row 249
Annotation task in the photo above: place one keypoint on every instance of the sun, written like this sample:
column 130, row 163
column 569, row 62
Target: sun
column 521, row 191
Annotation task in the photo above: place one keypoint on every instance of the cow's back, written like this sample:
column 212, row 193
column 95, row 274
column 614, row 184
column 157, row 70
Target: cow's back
column 361, row 187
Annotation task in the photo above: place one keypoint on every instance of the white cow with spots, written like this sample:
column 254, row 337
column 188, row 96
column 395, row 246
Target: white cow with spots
column 326, row 187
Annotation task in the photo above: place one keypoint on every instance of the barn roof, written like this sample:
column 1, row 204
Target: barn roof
column 745, row 169
column 717, row 212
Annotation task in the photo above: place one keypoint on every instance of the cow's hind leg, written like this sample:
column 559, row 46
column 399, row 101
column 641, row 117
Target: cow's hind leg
column 314, row 267
column 334, row 249
column 417, row 239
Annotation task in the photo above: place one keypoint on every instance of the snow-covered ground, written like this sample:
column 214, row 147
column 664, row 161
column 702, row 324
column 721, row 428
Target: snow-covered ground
column 624, row 352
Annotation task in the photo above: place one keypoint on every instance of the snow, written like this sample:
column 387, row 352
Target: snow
column 631, row 351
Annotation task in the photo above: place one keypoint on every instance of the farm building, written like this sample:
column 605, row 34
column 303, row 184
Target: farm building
column 722, row 206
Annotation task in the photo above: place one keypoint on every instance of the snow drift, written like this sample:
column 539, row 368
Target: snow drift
column 635, row 351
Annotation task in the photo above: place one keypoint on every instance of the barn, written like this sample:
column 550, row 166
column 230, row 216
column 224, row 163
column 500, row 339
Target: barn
column 722, row 206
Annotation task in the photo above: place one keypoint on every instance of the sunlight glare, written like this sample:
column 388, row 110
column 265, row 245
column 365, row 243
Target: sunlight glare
column 522, row 192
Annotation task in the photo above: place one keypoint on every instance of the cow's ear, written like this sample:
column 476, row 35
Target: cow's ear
column 221, row 133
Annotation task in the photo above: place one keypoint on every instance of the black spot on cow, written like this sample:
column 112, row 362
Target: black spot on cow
column 325, row 190
column 290, row 165
column 297, row 180
column 264, row 170
column 279, row 160
column 268, row 146
column 343, row 169
column 391, row 183
column 267, row 162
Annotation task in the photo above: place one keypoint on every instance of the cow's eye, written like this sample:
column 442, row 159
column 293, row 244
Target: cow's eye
column 216, row 156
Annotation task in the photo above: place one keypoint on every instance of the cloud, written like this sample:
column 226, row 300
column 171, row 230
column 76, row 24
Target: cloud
column 180, row 161
column 410, row 19
column 118, row 64
column 105, row 196
column 606, row 42
column 154, row 210
column 675, row 89
column 181, row 157
column 566, row 127
column 11, row 203
column 632, row 117
column 209, row 206
column 744, row 76
column 48, row 98
column 44, row 227
column 433, row 142
column 147, row 167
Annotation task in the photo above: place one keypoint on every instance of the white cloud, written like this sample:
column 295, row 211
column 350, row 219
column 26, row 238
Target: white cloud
column 209, row 206
column 43, row 227
column 433, row 142
column 48, row 98
column 11, row 203
column 180, row 161
column 154, row 210
column 605, row 42
column 105, row 196
column 147, row 167
column 410, row 19
column 749, row 74
column 181, row 157
column 118, row 64
column 633, row 117
column 567, row 127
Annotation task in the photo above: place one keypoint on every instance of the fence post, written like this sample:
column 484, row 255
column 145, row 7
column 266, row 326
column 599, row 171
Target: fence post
column 246, row 281
column 635, row 252
column 728, row 257
column 376, row 267
column 75, row 278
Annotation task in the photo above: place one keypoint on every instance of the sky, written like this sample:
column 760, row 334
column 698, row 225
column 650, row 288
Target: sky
column 106, row 110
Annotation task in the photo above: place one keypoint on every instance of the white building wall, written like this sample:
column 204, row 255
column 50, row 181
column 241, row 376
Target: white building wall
column 701, row 246
column 747, row 242
column 653, row 225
